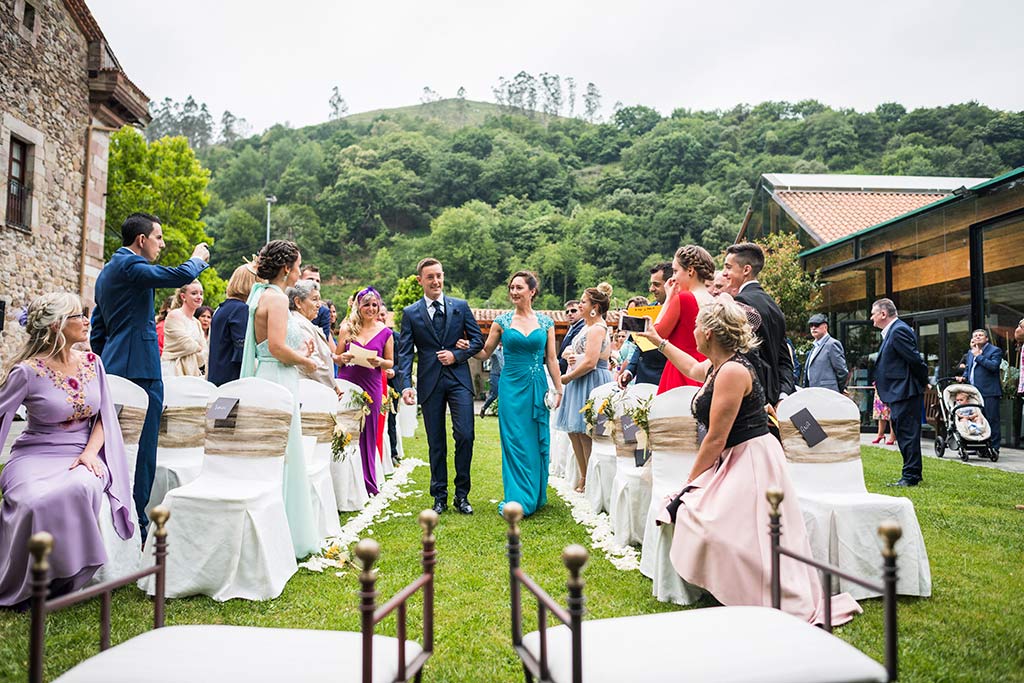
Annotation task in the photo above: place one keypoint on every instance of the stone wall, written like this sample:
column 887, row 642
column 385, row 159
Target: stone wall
column 44, row 99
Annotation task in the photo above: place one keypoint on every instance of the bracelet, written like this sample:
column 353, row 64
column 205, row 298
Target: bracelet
column 663, row 344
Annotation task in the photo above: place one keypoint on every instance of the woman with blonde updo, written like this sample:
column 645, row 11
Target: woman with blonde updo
column 588, row 368
column 719, row 543
column 185, row 347
column 685, row 295
column 70, row 455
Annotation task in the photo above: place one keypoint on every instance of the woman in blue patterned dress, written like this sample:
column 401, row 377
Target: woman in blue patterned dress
column 528, row 339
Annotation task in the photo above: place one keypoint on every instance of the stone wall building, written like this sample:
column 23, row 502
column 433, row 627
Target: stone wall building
column 62, row 92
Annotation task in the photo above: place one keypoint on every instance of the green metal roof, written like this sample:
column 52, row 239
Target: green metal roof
column 1009, row 175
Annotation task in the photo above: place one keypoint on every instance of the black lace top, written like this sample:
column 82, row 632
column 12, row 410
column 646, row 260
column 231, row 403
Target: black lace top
column 751, row 420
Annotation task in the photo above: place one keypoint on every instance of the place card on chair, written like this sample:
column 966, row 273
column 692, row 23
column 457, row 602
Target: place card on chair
column 629, row 429
column 641, row 455
column 220, row 411
column 809, row 428
column 601, row 425
column 118, row 407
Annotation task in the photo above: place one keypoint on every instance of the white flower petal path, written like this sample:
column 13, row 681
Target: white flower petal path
column 624, row 557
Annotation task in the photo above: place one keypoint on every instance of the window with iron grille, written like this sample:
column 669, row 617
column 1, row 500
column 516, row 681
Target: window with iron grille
column 18, row 192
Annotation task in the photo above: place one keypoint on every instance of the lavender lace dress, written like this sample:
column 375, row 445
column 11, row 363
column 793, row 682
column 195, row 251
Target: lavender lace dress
column 40, row 493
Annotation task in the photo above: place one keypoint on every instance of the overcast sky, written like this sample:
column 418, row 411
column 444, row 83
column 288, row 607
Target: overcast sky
column 277, row 61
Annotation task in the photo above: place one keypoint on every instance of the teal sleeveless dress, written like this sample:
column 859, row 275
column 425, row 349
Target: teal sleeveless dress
column 257, row 361
column 522, row 415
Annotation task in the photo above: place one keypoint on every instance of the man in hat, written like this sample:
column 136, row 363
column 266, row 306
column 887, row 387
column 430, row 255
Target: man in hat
column 826, row 361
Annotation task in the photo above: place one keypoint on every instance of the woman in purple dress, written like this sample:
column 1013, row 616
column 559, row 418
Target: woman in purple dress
column 70, row 454
column 364, row 328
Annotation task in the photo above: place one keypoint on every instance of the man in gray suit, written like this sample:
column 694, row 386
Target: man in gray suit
column 826, row 361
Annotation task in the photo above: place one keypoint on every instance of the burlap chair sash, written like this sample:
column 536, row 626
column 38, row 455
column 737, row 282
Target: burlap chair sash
column 320, row 425
column 351, row 421
column 623, row 449
column 182, row 427
column 257, row 432
column 842, row 444
column 131, row 420
column 673, row 433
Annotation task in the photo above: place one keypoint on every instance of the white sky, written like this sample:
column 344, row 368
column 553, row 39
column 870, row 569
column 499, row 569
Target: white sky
column 278, row 61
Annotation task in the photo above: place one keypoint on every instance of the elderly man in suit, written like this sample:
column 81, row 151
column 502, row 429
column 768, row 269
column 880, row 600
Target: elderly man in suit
column 826, row 361
column 124, row 330
column 771, row 360
column 901, row 376
column 982, row 370
column 431, row 329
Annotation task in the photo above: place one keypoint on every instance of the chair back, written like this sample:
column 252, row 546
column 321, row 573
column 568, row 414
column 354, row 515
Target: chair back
column 133, row 402
column 598, row 394
column 317, row 406
column 833, row 465
column 626, row 401
column 673, row 439
column 183, row 421
column 41, row 545
column 252, row 441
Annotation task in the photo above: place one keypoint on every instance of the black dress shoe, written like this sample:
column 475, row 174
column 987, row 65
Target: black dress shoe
column 463, row 506
column 440, row 505
column 904, row 482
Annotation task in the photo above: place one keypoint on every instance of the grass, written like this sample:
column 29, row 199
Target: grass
column 971, row 629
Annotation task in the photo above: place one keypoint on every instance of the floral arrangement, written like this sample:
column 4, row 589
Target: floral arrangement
column 390, row 403
column 590, row 411
column 339, row 441
column 362, row 401
column 640, row 414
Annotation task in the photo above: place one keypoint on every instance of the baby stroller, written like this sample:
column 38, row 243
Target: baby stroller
column 962, row 427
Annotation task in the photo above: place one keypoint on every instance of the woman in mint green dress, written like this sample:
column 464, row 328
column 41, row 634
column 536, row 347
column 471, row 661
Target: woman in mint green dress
column 528, row 339
column 274, row 350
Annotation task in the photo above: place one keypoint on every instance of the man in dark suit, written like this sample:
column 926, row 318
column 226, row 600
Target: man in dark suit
column 572, row 314
column 982, row 371
column 647, row 366
column 826, row 361
column 431, row 328
column 124, row 331
column 901, row 376
column 323, row 314
column 771, row 360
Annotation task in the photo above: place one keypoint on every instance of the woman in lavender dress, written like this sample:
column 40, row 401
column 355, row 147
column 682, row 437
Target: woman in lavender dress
column 365, row 329
column 70, row 454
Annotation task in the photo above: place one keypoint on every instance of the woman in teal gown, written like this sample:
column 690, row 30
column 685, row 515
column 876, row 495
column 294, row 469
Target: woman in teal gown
column 528, row 339
column 277, row 359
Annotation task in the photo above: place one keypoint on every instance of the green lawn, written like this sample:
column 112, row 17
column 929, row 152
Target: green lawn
column 971, row 629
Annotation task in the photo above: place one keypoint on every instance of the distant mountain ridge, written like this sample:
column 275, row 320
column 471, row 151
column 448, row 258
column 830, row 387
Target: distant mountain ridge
column 453, row 112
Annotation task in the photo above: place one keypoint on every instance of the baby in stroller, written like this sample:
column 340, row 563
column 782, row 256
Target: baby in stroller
column 963, row 426
column 973, row 419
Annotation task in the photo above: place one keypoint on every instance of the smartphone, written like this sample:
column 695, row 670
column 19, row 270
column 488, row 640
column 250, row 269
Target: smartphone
column 632, row 323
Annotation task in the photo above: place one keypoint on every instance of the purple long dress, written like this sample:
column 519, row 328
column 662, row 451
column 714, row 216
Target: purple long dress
column 371, row 380
column 40, row 493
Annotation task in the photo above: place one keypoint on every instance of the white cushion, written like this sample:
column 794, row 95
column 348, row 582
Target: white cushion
column 712, row 645
column 237, row 653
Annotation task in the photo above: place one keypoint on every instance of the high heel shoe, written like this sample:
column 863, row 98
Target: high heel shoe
column 890, row 442
column 879, row 439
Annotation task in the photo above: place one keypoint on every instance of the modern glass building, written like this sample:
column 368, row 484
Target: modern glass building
column 952, row 264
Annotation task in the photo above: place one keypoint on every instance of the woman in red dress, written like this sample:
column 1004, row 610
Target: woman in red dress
column 685, row 294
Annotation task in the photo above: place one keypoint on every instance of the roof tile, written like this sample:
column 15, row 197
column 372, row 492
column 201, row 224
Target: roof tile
column 833, row 215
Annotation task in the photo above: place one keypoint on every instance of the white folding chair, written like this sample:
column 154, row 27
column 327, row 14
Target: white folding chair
column 347, row 472
column 601, row 466
column 230, row 527
column 840, row 515
column 179, row 453
column 673, row 452
column 631, row 489
column 123, row 555
column 318, row 405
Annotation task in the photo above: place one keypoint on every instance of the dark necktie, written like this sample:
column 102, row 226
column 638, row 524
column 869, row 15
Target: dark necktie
column 438, row 318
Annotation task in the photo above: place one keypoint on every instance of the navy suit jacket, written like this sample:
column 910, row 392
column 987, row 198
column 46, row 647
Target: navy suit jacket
column 123, row 329
column 900, row 373
column 986, row 374
column 418, row 336
column 574, row 329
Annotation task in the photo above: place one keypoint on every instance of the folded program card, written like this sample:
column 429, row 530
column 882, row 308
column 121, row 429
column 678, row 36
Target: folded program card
column 361, row 356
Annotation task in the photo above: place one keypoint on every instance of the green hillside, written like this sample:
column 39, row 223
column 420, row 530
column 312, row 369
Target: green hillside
column 452, row 113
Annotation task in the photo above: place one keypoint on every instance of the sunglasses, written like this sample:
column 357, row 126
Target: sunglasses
column 571, row 310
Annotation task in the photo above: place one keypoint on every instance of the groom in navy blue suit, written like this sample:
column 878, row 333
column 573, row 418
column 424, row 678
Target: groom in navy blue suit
column 124, row 331
column 431, row 328
column 901, row 376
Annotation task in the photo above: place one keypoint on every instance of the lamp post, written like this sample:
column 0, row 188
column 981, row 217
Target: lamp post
column 271, row 199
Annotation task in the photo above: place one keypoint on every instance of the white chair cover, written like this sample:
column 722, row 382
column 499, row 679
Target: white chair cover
column 230, row 530
column 406, row 420
column 842, row 517
column 123, row 555
column 669, row 470
column 601, row 466
column 176, row 466
column 347, row 473
column 631, row 487
column 314, row 397
column 384, row 463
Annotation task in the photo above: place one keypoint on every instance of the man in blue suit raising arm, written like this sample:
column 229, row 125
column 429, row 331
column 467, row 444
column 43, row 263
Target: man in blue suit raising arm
column 900, row 378
column 432, row 328
column 983, row 360
column 124, row 331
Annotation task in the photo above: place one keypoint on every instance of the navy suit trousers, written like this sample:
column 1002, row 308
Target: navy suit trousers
column 451, row 394
column 145, row 464
column 906, row 422
column 991, row 412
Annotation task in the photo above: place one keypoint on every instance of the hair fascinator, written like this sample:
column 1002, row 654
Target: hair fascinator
column 368, row 290
column 23, row 317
